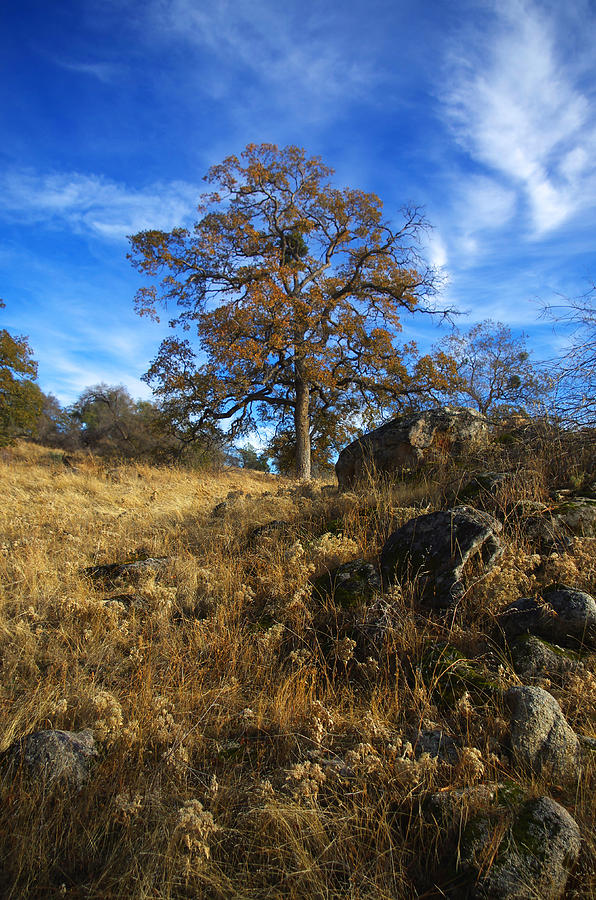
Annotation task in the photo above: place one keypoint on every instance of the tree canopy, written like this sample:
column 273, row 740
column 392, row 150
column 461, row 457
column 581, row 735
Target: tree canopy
column 20, row 398
column 491, row 369
column 295, row 290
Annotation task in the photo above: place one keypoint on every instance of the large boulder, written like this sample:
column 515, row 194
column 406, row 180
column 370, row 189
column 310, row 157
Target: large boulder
column 562, row 614
column 402, row 444
column 53, row 757
column 531, row 859
column 542, row 741
column 434, row 552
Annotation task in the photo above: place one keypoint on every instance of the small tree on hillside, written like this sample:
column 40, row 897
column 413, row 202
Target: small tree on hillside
column 55, row 427
column 295, row 290
column 20, row 398
column 576, row 369
column 251, row 459
column 489, row 368
column 105, row 414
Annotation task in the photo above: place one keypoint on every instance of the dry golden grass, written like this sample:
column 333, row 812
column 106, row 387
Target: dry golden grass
column 245, row 749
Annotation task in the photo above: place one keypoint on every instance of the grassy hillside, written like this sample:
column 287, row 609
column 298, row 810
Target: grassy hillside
column 246, row 747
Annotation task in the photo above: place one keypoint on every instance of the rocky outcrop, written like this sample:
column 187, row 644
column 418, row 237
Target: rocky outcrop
column 542, row 742
column 561, row 614
column 402, row 444
column 53, row 756
column 532, row 858
column 434, row 551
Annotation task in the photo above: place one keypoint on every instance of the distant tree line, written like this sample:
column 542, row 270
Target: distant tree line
column 107, row 421
column 486, row 367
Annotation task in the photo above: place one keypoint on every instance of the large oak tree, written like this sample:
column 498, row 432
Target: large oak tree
column 295, row 290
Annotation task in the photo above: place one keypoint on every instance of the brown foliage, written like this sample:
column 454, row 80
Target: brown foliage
column 295, row 289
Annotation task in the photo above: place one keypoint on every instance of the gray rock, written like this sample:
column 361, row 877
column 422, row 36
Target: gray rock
column 448, row 674
column 437, row 744
column 447, row 806
column 587, row 742
column 53, row 756
column 532, row 859
column 525, row 616
column 433, row 552
column 220, row 509
column 542, row 742
column 563, row 615
column 351, row 584
column 545, row 533
column 402, row 444
column 535, row 658
column 575, row 612
column 480, row 488
column 579, row 515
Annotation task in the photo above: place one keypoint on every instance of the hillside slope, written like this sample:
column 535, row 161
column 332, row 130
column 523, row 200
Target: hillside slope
column 259, row 733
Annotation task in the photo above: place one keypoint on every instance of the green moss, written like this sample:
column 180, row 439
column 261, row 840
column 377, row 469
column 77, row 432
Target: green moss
column 561, row 652
column 527, row 836
column 350, row 585
column 521, row 839
column 579, row 503
column 448, row 674
column 510, row 794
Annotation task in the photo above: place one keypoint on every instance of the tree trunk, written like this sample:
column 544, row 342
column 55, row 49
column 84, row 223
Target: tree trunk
column 302, row 429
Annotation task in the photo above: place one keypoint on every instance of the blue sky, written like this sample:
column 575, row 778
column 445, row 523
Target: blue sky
column 112, row 111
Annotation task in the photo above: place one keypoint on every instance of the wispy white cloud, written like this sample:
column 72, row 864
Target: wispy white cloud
column 101, row 346
column 480, row 206
column 80, row 321
column 103, row 71
column 70, row 377
column 484, row 203
column 436, row 250
column 519, row 108
column 301, row 59
column 94, row 204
